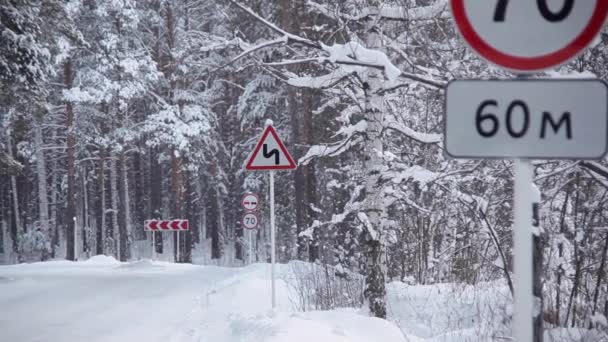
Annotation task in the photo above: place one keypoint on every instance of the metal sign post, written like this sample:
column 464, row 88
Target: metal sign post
column 153, row 245
column 272, row 242
column 250, row 221
column 522, row 251
column 167, row 226
column 250, row 255
column 523, row 119
column 270, row 154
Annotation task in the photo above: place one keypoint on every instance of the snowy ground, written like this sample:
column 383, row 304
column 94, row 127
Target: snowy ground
column 104, row 300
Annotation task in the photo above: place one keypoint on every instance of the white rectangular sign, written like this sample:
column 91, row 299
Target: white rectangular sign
column 538, row 119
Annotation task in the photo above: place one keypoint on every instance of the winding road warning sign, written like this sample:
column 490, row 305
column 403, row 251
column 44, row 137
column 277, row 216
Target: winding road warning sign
column 529, row 35
column 270, row 154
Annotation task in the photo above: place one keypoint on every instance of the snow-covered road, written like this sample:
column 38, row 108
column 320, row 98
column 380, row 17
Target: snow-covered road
column 102, row 301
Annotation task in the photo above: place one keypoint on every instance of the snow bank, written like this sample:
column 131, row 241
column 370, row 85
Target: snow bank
column 102, row 260
column 333, row 326
column 451, row 312
column 144, row 264
column 238, row 310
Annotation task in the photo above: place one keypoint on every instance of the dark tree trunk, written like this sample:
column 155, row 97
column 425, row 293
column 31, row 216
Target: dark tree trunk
column 140, row 181
column 177, row 210
column 100, row 205
column 70, row 213
column 375, row 291
column 192, row 214
column 123, row 217
column 155, row 197
column 213, row 215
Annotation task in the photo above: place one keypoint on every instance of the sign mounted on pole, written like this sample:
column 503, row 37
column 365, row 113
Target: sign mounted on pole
column 538, row 119
column 250, row 221
column 270, row 154
column 166, row 225
column 250, row 202
column 529, row 35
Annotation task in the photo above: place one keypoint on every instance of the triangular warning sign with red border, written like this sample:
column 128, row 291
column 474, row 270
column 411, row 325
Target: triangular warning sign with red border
column 270, row 154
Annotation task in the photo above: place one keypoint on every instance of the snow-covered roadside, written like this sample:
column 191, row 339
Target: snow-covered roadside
column 104, row 300
column 451, row 312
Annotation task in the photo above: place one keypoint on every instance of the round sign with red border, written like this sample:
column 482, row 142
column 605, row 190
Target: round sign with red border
column 250, row 221
column 250, row 202
column 529, row 35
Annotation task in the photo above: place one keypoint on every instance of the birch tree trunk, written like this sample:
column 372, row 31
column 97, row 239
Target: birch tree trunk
column 375, row 291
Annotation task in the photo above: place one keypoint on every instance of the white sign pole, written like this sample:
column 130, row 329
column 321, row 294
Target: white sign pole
column 272, row 241
column 177, row 253
column 153, row 245
column 75, row 239
column 522, row 252
column 250, row 246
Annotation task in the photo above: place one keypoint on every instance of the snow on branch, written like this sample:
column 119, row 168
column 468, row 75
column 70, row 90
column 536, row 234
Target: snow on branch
column 288, row 36
column 279, row 41
column 437, row 10
column 330, row 150
column 357, row 54
column 596, row 167
column 349, row 54
column 319, row 82
column 352, row 206
column 424, row 138
column 369, row 227
column 389, row 12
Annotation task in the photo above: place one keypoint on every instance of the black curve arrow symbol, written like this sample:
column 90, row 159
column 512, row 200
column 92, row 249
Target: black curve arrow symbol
column 273, row 152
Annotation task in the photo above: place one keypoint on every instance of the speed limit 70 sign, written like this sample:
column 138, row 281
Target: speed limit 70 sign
column 250, row 221
column 539, row 119
column 529, row 35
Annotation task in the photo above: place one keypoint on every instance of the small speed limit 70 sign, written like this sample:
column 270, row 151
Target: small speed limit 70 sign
column 250, row 221
column 538, row 119
column 529, row 35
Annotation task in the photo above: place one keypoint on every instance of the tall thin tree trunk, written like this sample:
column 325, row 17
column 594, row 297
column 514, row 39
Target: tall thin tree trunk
column 156, row 203
column 16, row 228
column 375, row 291
column 124, row 226
column 560, row 251
column 43, row 199
column 54, row 212
column 178, row 199
column 71, row 167
column 101, row 204
column 114, row 200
